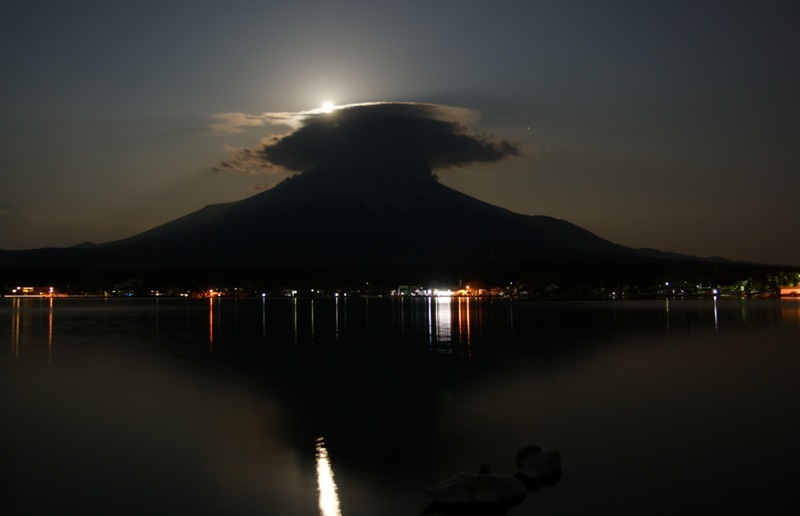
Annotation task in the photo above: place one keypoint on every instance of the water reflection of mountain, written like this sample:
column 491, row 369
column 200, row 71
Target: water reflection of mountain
column 404, row 393
column 393, row 367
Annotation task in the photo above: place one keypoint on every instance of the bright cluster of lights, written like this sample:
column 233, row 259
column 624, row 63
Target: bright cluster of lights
column 33, row 291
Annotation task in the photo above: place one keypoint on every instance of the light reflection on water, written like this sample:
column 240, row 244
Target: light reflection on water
column 790, row 310
column 443, row 319
column 20, row 321
column 464, row 321
column 211, row 324
column 448, row 320
column 326, row 485
column 211, row 408
column 15, row 315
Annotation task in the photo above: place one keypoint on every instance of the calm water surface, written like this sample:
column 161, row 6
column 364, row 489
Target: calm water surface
column 347, row 407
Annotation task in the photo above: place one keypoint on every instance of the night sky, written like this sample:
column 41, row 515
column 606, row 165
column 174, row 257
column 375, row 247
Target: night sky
column 672, row 125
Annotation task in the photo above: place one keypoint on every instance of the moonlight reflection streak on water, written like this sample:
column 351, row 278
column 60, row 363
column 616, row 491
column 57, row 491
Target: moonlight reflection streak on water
column 326, row 486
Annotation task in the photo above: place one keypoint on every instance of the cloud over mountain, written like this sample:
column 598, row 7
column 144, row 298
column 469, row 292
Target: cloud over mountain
column 368, row 133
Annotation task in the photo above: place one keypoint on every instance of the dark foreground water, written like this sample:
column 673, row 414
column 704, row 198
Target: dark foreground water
column 327, row 407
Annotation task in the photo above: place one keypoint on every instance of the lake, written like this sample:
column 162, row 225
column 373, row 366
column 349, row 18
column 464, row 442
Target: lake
column 349, row 406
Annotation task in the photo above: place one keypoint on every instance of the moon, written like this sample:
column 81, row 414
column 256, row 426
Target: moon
column 327, row 106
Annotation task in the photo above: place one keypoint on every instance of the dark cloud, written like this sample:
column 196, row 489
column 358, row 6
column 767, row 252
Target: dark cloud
column 373, row 133
column 245, row 162
column 384, row 132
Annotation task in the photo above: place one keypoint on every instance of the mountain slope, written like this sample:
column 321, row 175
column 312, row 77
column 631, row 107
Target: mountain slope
column 367, row 212
column 395, row 216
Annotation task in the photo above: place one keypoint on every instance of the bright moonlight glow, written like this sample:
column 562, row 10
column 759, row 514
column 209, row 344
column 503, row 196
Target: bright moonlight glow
column 327, row 106
column 326, row 486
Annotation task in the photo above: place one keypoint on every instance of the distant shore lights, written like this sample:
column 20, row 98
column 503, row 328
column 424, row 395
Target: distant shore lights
column 32, row 292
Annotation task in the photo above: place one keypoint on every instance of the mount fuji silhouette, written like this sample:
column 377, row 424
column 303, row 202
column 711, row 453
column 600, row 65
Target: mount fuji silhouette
column 367, row 215
column 384, row 213
column 367, row 198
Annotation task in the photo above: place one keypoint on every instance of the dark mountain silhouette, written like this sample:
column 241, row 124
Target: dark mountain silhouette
column 367, row 212
column 345, row 216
